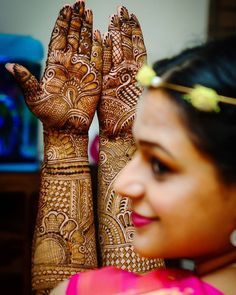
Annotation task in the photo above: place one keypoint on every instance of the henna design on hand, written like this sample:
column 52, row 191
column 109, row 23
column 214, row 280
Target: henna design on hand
column 65, row 101
column 123, row 54
column 67, row 96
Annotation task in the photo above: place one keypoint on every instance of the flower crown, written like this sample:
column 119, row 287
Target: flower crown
column 200, row 97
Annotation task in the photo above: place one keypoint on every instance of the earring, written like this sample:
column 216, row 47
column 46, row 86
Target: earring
column 233, row 238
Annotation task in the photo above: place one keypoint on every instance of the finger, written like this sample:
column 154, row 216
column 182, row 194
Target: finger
column 75, row 25
column 96, row 55
column 59, row 34
column 114, row 30
column 85, row 43
column 139, row 49
column 126, row 33
column 107, row 54
column 27, row 82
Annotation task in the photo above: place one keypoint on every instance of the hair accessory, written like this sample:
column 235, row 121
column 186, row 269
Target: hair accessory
column 233, row 238
column 146, row 76
column 201, row 97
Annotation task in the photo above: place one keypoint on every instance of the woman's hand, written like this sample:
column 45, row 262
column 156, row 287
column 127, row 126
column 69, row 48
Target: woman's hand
column 123, row 54
column 67, row 96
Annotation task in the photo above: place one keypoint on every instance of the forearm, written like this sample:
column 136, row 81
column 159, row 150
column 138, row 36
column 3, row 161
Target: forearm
column 64, row 240
column 115, row 226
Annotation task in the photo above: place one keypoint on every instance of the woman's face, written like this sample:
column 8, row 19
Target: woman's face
column 182, row 209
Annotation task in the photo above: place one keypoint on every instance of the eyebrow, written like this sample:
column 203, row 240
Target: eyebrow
column 154, row 145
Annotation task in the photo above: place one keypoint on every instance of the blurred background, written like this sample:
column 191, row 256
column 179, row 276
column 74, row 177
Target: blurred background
column 25, row 29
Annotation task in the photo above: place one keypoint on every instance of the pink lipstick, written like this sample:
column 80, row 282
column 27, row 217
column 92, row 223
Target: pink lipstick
column 139, row 220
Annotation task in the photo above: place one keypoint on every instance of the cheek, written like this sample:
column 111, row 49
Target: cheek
column 174, row 197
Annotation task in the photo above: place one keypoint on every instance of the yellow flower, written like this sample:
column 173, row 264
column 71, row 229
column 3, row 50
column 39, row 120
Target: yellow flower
column 203, row 98
column 145, row 75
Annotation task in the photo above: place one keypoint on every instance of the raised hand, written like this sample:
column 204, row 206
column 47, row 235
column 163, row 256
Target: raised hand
column 67, row 96
column 65, row 101
column 123, row 54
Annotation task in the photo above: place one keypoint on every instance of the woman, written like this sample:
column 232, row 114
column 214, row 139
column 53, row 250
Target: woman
column 82, row 70
column 182, row 178
column 181, row 181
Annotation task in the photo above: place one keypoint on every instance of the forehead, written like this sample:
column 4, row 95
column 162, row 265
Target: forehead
column 157, row 112
column 159, row 120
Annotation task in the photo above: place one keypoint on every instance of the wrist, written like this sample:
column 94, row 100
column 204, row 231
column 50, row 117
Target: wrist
column 115, row 153
column 64, row 146
column 116, row 137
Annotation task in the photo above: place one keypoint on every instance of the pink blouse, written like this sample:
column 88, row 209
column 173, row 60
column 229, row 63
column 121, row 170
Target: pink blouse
column 110, row 280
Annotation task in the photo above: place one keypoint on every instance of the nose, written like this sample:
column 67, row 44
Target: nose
column 130, row 182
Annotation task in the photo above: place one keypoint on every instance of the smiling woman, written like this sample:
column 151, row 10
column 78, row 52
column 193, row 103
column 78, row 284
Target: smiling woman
column 173, row 186
column 181, row 180
column 179, row 188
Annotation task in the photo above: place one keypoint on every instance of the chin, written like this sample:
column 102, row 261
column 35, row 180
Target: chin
column 145, row 251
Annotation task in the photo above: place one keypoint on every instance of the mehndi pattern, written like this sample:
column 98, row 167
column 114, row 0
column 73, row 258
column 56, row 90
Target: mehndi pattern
column 65, row 101
column 123, row 54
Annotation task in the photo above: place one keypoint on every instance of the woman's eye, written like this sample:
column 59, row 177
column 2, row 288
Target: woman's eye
column 158, row 168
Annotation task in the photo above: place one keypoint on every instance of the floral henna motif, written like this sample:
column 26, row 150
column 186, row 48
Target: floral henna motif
column 64, row 239
column 75, row 26
column 65, row 101
column 71, row 92
column 115, row 228
column 64, row 146
column 123, row 54
column 67, row 96
column 59, row 34
column 126, row 33
column 137, row 41
column 86, row 32
column 122, row 59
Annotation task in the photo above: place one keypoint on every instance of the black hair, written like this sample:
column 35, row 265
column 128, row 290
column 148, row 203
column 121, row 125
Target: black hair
column 212, row 65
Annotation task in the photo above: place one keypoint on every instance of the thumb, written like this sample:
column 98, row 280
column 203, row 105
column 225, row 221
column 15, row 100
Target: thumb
column 27, row 81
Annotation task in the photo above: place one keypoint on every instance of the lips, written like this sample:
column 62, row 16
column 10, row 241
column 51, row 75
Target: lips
column 139, row 220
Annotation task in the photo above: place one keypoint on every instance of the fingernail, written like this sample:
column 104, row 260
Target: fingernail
column 66, row 12
column 123, row 12
column 66, row 6
column 9, row 67
column 114, row 20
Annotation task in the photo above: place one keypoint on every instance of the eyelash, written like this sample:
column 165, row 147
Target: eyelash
column 158, row 167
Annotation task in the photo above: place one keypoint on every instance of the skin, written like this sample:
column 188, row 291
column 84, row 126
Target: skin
column 123, row 54
column 65, row 101
column 175, row 185
column 170, row 181
column 83, row 74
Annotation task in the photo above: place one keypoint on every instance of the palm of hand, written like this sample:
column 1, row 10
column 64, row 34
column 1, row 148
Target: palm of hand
column 70, row 91
column 123, row 54
column 119, row 98
column 67, row 96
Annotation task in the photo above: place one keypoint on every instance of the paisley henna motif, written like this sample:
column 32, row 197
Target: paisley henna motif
column 67, row 96
column 115, row 226
column 122, row 59
column 86, row 34
column 75, row 26
column 59, row 34
column 65, row 101
column 123, row 54
column 64, row 238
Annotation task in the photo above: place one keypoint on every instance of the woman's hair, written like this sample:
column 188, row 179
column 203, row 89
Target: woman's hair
column 212, row 65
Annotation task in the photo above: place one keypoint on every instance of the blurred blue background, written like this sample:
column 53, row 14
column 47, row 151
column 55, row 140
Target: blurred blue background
column 18, row 126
